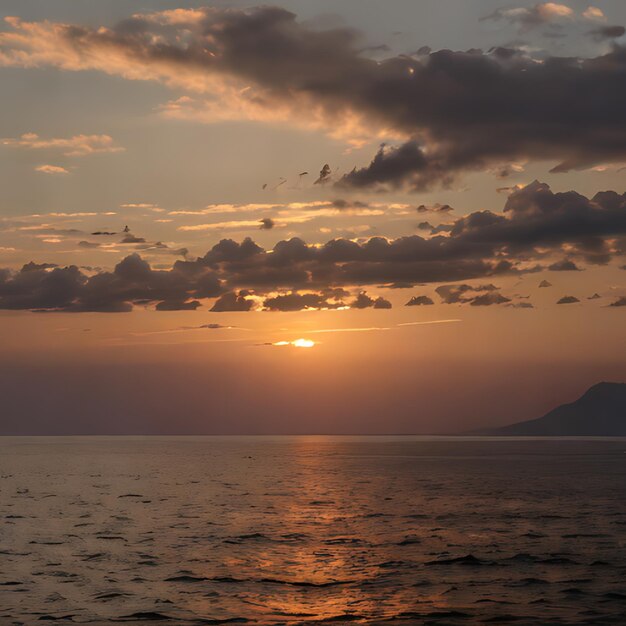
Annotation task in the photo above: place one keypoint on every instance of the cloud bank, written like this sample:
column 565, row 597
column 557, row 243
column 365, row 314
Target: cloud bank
column 536, row 227
column 454, row 111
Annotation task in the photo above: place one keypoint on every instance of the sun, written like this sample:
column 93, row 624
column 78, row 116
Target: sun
column 302, row 343
column 296, row 343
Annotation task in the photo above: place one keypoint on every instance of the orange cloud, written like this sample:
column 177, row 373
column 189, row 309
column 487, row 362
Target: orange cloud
column 51, row 169
column 76, row 146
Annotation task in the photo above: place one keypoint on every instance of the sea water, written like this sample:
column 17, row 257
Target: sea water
column 289, row 530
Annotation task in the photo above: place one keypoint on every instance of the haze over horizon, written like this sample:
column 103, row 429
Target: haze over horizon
column 309, row 217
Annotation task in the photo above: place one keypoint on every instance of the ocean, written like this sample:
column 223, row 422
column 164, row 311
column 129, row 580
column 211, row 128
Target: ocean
column 309, row 530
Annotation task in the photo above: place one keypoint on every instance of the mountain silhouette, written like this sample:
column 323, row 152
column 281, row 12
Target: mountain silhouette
column 599, row 412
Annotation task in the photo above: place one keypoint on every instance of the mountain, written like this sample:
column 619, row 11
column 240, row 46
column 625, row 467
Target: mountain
column 599, row 412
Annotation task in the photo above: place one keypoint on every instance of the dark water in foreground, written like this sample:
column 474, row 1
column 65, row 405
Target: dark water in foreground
column 305, row 529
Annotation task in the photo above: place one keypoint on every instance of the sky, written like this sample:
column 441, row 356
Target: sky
column 317, row 217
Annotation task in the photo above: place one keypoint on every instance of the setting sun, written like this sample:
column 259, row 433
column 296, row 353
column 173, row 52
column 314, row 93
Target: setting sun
column 297, row 343
column 303, row 343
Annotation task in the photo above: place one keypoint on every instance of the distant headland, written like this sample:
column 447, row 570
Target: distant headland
column 599, row 412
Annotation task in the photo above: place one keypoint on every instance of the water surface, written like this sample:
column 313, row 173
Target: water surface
column 290, row 530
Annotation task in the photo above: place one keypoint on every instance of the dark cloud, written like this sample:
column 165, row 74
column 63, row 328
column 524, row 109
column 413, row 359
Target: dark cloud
column 299, row 302
column 31, row 266
column 393, row 167
column 489, row 298
column 607, row 32
column 232, row 302
column 458, row 110
column 266, row 223
column 535, row 227
column 564, row 266
column 382, row 303
column 160, row 247
column 324, row 176
column 568, row 300
column 521, row 305
column 363, row 301
column 534, row 216
column 481, row 295
column 419, row 301
column 174, row 305
column 437, row 208
column 203, row 327
column 341, row 204
column 132, row 282
column 130, row 238
column 88, row 244
column 453, row 293
column 508, row 190
column 40, row 288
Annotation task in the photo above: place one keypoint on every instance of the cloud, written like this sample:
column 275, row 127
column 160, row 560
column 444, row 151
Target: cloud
column 534, row 216
column 527, row 18
column 480, row 295
column 568, row 300
column 232, row 302
column 230, row 225
column 130, row 238
column 593, row 13
column 607, row 32
column 177, row 305
column 325, row 174
column 362, row 301
column 534, row 231
column 132, row 282
column 51, row 169
column 564, row 266
column 551, row 14
column 509, row 190
column 489, row 298
column 300, row 302
column 437, row 208
column 266, row 223
column 392, row 167
column 76, row 146
column 419, row 301
column 382, row 303
column 138, row 205
column 341, row 204
column 452, row 111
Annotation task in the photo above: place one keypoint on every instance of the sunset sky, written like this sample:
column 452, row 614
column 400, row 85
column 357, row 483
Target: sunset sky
column 308, row 217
